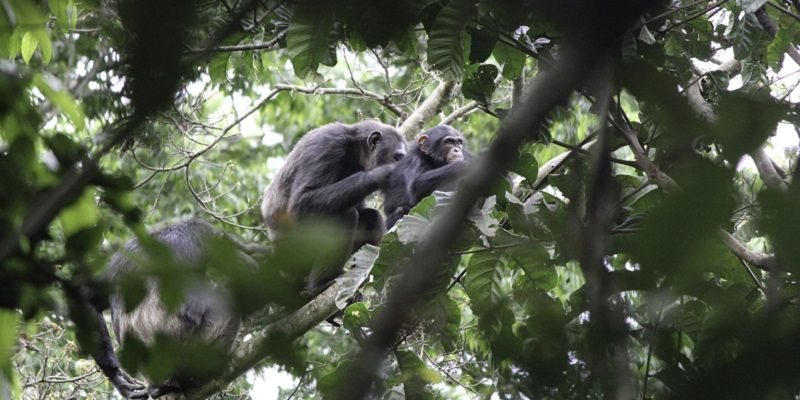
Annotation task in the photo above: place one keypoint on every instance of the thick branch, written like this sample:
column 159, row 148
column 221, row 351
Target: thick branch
column 429, row 108
column 662, row 180
column 766, row 169
column 460, row 112
column 247, row 354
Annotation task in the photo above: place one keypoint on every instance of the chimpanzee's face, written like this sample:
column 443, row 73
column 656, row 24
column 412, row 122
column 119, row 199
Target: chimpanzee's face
column 443, row 144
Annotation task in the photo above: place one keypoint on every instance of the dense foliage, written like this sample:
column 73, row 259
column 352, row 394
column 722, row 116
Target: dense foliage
column 641, row 245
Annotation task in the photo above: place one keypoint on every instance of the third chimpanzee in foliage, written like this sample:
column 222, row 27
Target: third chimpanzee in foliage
column 204, row 318
column 436, row 159
column 329, row 173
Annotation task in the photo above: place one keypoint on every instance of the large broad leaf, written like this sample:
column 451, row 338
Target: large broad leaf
column 331, row 384
column 745, row 121
column 482, row 280
column 55, row 92
column 448, row 40
column 80, row 215
column 526, row 166
column 309, row 41
column 479, row 85
column 362, row 262
column 746, row 36
column 513, row 60
column 750, row 6
column 445, row 315
column 787, row 31
column 66, row 13
column 415, row 374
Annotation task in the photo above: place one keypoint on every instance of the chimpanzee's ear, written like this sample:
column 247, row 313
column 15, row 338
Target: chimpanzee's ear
column 422, row 142
column 374, row 138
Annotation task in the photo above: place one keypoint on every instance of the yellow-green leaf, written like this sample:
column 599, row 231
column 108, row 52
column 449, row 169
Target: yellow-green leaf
column 44, row 45
column 81, row 214
column 29, row 42
column 52, row 88
column 8, row 330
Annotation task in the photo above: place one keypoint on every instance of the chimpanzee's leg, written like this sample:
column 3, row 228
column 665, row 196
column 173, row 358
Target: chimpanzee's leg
column 369, row 229
column 324, row 271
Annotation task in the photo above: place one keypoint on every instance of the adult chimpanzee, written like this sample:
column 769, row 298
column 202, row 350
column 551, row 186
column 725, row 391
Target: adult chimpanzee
column 205, row 316
column 437, row 158
column 329, row 173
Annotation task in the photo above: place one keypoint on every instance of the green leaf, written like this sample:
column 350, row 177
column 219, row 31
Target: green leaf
column 80, row 243
column 330, row 385
column 480, row 86
column 535, row 261
column 59, row 10
column 415, row 374
column 481, row 45
column 8, row 337
column 308, row 40
column 407, row 41
column 788, row 30
column 445, row 315
column 526, row 166
column 745, row 121
column 29, row 41
column 218, row 67
column 677, row 234
column 746, row 36
column 411, row 228
column 45, row 46
column 52, row 88
column 482, row 280
column 448, row 39
column 483, row 219
column 750, row 6
column 80, row 215
column 361, row 261
column 356, row 316
column 512, row 60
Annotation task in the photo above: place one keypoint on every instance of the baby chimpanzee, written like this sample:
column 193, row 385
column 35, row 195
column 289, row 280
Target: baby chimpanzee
column 436, row 159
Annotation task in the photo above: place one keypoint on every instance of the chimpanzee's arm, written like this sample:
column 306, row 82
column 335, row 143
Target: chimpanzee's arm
column 107, row 360
column 344, row 194
column 429, row 181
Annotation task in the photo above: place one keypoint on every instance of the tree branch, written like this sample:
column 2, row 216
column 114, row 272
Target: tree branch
column 268, row 45
column 346, row 92
column 662, row 180
column 247, row 354
column 772, row 29
column 429, row 109
column 460, row 112
column 766, row 169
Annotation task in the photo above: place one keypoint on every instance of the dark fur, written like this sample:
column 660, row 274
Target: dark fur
column 205, row 314
column 329, row 173
column 421, row 172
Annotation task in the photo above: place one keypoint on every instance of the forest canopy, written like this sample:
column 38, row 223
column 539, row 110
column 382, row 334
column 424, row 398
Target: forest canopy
column 626, row 227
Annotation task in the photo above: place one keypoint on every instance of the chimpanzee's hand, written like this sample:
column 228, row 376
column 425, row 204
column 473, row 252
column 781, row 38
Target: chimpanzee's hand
column 459, row 168
column 128, row 387
column 381, row 173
